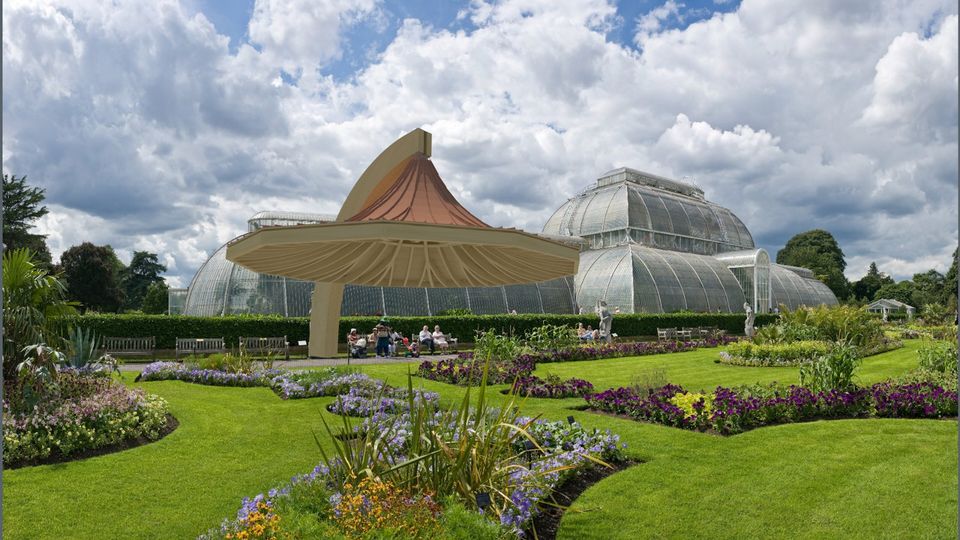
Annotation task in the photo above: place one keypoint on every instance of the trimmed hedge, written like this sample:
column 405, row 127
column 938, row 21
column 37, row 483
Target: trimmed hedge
column 746, row 353
column 167, row 328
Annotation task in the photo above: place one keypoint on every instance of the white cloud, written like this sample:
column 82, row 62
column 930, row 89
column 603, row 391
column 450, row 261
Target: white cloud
column 147, row 132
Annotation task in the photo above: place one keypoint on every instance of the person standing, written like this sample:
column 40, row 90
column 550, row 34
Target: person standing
column 383, row 340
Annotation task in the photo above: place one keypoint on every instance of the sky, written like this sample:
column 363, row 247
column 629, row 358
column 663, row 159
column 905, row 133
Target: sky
column 164, row 125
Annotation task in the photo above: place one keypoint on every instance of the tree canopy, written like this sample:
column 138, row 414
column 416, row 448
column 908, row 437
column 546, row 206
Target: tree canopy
column 144, row 270
column 155, row 299
column 819, row 251
column 92, row 274
column 22, row 206
column 866, row 288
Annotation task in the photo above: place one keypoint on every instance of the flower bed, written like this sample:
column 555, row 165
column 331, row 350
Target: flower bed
column 551, row 387
column 91, row 413
column 298, row 384
column 486, row 475
column 366, row 400
column 729, row 411
column 463, row 371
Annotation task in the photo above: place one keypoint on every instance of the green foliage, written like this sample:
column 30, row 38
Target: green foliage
column 455, row 312
column 92, row 274
column 646, row 382
column 459, row 523
column 774, row 354
column 167, row 328
column 866, row 288
column 901, row 291
column 22, row 206
column 550, row 337
column 493, row 347
column 155, row 299
column 37, row 376
column 847, row 324
column 82, row 346
column 935, row 314
column 818, row 250
column 832, row 371
column 939, row 356
column 33, row 308
column 143, row 272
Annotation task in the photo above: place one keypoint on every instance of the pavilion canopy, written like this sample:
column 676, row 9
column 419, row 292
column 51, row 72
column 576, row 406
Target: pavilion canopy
column 411, row 232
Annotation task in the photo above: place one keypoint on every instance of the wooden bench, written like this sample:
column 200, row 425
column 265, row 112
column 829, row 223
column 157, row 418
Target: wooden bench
column 666, row 334
column 200, row 346
column 130, row 346
column 266, row 345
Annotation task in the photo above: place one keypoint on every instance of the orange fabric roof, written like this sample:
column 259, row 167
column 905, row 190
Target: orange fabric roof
column 419, row 195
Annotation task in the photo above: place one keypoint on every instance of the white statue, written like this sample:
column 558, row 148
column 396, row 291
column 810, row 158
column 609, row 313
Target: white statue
column 606, row 321
column 748, row 324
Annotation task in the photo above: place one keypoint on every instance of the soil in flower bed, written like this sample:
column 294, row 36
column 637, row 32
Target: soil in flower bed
column 547, row 521
column 57, row 457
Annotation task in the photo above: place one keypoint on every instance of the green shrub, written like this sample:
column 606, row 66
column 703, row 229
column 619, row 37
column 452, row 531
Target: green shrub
column 939, row 356
column 774, row 354
column 459, row 523
column 551, row 337
column 832, row 371
column 167, row 328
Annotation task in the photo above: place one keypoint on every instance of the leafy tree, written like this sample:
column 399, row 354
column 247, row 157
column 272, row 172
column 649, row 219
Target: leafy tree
column 866, row 288
column 22, row 206
column 929, row 288
column 951, row 284
column 902, row 291
column 33, row 308
column 818, row 250
column 155, row 299
column 93, row 276
column 144, row 270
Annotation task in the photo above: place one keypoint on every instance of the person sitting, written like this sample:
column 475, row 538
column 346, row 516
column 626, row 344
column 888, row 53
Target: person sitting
column 595, row 336
column 426, row 338
column 587, row 334
column 356, row 344
column 395, row 339
column 439, row 339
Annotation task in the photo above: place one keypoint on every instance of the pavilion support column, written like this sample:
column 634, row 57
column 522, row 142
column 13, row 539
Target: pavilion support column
column 325, row 319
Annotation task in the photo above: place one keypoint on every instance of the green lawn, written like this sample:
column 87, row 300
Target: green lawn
column 849, row 478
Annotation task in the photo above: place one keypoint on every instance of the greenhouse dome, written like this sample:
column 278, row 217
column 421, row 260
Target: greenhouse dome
column 656, row 245
column 221, row 287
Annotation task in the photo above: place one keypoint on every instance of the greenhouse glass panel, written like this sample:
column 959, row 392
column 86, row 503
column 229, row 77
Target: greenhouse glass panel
column 299, row 297
column 404, row 301
column 446, row 299
column 678, row 216
column 487, row 300
column 617, row 217
column 693, row 293
column 361, row 300
column 646, row 296
column 659, row 218
column 558, row 295
column 595, row 212
column 523, row 298
column 637, row 211
column 670, row 289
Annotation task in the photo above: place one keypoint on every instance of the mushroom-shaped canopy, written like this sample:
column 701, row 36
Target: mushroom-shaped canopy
column 411, row 232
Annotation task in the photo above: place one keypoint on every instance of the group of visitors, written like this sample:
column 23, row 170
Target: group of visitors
column 387, row 341
column 588, row 333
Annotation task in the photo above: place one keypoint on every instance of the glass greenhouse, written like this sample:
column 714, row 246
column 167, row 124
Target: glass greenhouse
column 657, row 245
column 651, row 245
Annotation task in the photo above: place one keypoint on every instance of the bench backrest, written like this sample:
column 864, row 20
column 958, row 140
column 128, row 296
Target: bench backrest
column 264, row 343
column 200, row 344
column 128, row 344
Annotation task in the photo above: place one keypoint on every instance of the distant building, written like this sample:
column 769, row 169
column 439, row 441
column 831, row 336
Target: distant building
column 885, row 306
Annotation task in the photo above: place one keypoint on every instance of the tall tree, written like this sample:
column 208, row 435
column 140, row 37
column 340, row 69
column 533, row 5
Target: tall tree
column 155, row 300
column 929, row 288
column 951, row 284
column 22, row 206
column 93, row 276
column 902, row 291
column 144, row 270
column 866, row 287
column 818, row 250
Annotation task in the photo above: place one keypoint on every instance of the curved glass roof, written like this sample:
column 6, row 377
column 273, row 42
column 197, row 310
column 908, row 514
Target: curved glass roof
column 221, row 287
column 285, row 219
column 630, row 206
column 638, row 279
column 791, row 289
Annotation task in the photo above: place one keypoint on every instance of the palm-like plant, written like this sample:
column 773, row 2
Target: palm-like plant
column 33, row 308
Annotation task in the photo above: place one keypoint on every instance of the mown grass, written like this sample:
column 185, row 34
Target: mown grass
column 849, row 478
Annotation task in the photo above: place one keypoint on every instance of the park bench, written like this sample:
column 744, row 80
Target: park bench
column 666, row 334
column 266, row 345
column 130, row 346
column 452, row 342
column 191, row 346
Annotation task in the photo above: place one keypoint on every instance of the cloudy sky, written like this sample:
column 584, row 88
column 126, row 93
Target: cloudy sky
column 164, row 125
